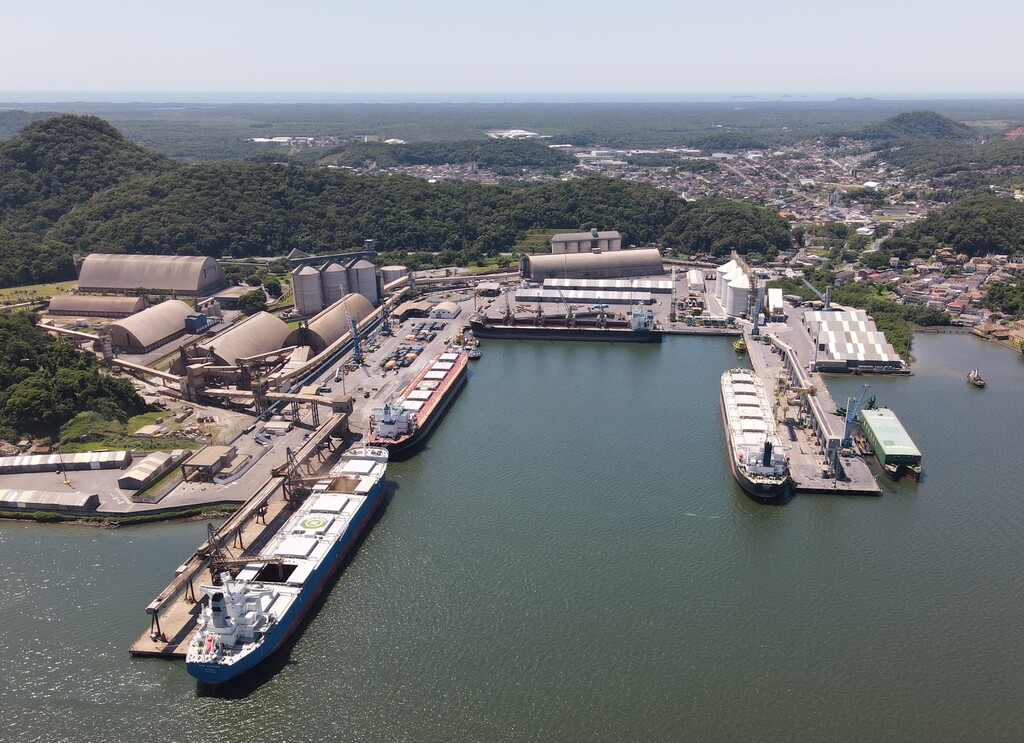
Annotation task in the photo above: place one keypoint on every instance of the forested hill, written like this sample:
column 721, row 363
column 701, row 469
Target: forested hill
column 918, row 125
column 49, row 168
column 974, row 226
column 55, row 164
column 73, row 184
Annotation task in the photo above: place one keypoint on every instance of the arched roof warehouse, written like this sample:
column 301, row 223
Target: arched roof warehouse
column 261, row 333
column 178, row 274
column 95, row 305
column 333, row 323
column 150, row 328
column 614, row 264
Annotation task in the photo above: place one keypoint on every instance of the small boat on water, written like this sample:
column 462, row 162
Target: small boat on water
column 739, row 345
column 974, row 377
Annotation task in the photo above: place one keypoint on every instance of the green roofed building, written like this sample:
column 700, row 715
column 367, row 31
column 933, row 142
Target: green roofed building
column 894, row 449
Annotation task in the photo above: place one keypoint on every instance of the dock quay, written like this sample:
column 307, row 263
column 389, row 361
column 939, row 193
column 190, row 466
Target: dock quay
column 806, row 422
column 173, row 613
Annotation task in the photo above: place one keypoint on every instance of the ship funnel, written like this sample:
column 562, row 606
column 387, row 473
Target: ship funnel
column 767, row 460
column 217, row 610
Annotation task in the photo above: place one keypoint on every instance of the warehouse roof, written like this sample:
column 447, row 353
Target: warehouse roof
column 156, row 323
column 334, row 322
column 570, row 236
column 890, row 434
column 88, row 303
column 615, row 262
column 261, row 333
column 169, row 273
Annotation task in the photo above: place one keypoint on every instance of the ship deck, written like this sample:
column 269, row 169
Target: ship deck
column 808, row 466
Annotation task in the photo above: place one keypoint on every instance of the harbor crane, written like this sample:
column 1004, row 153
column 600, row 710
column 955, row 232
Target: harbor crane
column 852, row 407
column 758, row 306
column 826, row 298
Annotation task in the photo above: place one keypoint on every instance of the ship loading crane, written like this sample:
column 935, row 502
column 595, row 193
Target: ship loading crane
column 852, row 408
column 825, row 298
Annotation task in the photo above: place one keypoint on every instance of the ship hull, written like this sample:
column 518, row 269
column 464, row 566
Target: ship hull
column 408, row 445
column 286, row 625
column 759, row 491
column 563, row 333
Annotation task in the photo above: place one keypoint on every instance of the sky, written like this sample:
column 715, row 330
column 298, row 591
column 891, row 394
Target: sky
column 461, row 49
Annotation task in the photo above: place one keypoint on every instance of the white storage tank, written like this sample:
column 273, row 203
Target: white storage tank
column 728, row 278
column 333, row 283
column 309, row 297
column 392, row 273
column 362, row 279
column 736, row 299
column 720, row 273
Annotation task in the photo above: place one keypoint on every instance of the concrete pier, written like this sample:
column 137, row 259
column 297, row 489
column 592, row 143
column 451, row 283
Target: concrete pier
column 804, row 414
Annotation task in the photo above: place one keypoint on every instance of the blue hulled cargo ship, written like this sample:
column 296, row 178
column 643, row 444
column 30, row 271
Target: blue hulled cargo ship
column 250, row 614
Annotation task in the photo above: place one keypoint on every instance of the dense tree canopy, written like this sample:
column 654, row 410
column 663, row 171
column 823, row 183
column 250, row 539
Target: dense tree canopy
column 45, row 382
column 974, row 226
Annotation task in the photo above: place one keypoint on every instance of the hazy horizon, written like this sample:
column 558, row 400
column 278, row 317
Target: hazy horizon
column 9, row 98
column 580, row 49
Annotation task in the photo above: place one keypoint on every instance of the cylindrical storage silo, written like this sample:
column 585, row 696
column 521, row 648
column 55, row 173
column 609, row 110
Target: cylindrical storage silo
column 739, row 291
column 362, row 279
column 392, row 273
column 309, row 298
column 333, row 282
column 720, row 273
column 728, row 278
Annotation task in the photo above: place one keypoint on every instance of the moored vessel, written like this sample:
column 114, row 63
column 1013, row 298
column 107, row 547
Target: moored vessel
column 637, row 327
column 739, row 345
column 405, row 422
column 756, row 456
column 250, row 613
column 894, row 450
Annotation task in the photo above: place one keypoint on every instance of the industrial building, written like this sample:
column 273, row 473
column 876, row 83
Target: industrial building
column 95, row 305
column 259, row 334
column 43, row 500
column 654, row 286
column 150, row 469
column 165, row 274
column 207, row 463
column 585, row 242
column 90, row 460
column 848, row 340
column 583, row 297
column 150, row 328
column 329, row 326
column 445, row 310
column 317, row 288
column 612, row 265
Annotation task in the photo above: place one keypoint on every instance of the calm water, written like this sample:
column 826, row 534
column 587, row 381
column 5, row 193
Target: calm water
column 570, row 560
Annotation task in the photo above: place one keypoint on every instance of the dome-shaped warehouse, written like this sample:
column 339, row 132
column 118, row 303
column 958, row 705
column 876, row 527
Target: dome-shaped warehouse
column 615, row 264
column 332, row 324
column 178, row 274
column 261, row 333
column 150, row 328
column 95, row 305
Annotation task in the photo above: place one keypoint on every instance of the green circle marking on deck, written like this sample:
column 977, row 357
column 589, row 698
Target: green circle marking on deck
column 314, row 522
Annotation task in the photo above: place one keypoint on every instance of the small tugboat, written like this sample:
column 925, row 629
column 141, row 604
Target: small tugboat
column 974, row 377
column 739, row 345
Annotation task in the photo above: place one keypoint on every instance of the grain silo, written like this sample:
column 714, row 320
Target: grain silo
column 392, row 273
column 720, row 273
column 309, row 297
column 362, row 279
column 333, row 283
column 738, row 293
